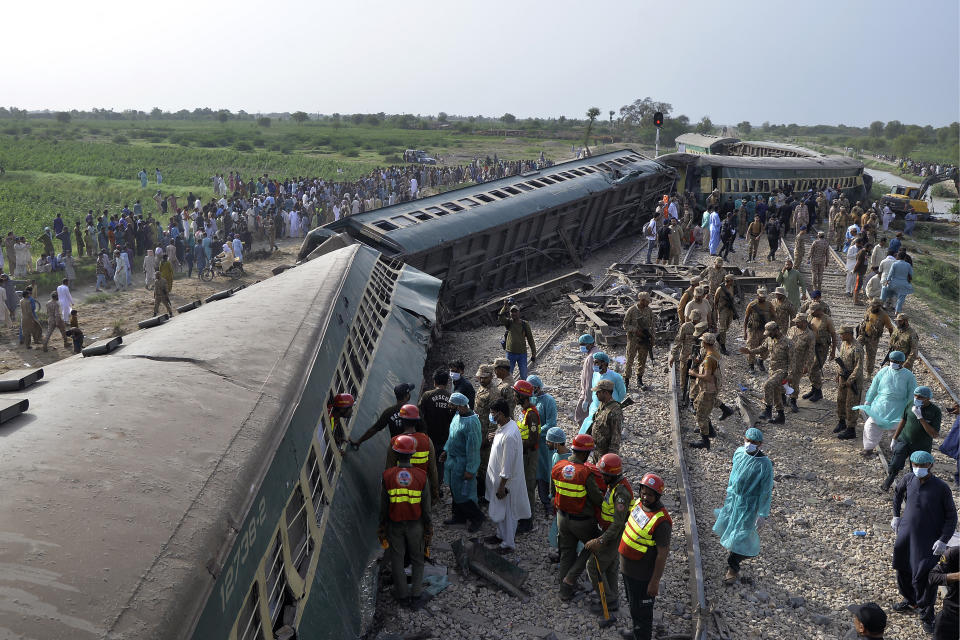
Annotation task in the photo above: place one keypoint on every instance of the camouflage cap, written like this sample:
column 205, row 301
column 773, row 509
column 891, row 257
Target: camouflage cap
column 708, row 338
column 696, row 280
column 604, row 385
column 761, row 291
column 644, row 295
column 847, row 328
column 770, row 327
column 501, row 362
column 799, row 317
column 700, row 328
column 729, row 277
column 484, row 371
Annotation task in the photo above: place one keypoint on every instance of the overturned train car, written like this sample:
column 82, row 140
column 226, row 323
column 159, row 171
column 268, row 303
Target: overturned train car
column 498, row 235
column 189, row 484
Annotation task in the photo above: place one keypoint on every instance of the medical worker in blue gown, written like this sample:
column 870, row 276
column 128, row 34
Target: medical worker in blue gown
column 891, row 391
column 462, row 461
column 747, row 504
column 602, row 371
column 547, row 409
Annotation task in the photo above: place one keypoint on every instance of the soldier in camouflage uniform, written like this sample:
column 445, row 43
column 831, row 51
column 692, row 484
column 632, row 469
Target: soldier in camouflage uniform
column 501, row 368
column 778, row 348
column 607, row 421
column 686, row 297
column 683, row 345
column 783, row 310
column 849, row 386
column 840, row 228
column 487, row 394
column 824, row 346
column 815, row 298
column 803, row 355
column 726, row 310
column 757, row 315
column 905, row 339
column 800, row 244
column 708, row 385
column 713, row 276
column 819, row 251
column 641, row 329
column 875, row 320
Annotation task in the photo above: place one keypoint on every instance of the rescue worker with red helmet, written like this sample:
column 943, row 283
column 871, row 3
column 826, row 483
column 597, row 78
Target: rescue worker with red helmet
column 340, row 411
column 405, row 526
column 644, row 547
column 425, row 457
column 613, row 517
column 576, row 496
column 529, row 424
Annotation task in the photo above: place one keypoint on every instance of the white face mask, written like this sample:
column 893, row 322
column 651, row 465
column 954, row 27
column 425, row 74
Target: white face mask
column 750, row 447
column 895, row 365
column 596, row 368
column 917, row 402
column 584, row 349
column 921, row 472
column 454, row 376
column 491, row 418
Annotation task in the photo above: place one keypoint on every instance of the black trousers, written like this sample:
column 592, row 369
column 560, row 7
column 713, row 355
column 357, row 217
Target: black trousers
column 464, row 511
column 921, row 593
column 734, row 560
column 641, row 607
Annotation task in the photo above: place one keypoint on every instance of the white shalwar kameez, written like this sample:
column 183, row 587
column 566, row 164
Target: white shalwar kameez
column 65, row 298
column 506, row 461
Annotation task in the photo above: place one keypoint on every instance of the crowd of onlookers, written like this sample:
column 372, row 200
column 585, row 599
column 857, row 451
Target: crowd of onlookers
column 918, row 168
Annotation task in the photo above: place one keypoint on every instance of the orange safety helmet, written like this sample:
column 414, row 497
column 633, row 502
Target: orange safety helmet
column 611, row 464
column 410, row 412
column 582, row 442
column 653, row 481
column 405, row 444
column 343, row 400
column 523, row 387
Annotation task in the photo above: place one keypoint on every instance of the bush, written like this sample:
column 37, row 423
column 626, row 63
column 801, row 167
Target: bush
column 242, row 146
column 351, row 153
column 120, row 139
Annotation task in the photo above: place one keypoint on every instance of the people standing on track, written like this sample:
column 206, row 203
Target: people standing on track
column 405, row 525
column 755, row 318
column 461, row 461
column 747, row 503
column 725, row 304
column 899, row 280
column 504, row 379
column 778, row 349
column 826, row 342
column 792, row 280
column 682, row 347
column 686, row 297
column 647, row 530
column 923, row 527
column 947, row 574
column 754, row 233
column 607, row 424
column 919, row 425
column 890, row 393
column 577, row 497
column 617, row 503
column 641, row 329
column 870, row 330
column 708, row 380
column 772, row 229
column 782, row 309
column 530, row 426
column 516, row 338
column 849, row 383
column 904, row 338
column 602, row 371
column 547, row 410
column 819, row 251
column 487, row 394
column 588, row 346
column 803, row 356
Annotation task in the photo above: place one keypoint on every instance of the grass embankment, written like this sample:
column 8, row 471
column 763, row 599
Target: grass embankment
column 935, row 248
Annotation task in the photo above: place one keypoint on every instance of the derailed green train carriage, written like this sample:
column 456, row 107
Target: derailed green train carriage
column 188, row 486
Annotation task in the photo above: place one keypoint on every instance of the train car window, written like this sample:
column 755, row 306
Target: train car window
column 451, row 206
column 468, row 202
column 566, row 175
column 576, row 173
column 534, row 183
column 546, row 180
column 422, row 215
column 604, row 166
column 318, row 493
column 557, row 178
column 587, row 169
column 499, row 194
column 386, row 226
column 278, row 591
column 511, row 191
column 403, row 221
column 523, row 186
column 484, row 197
column 437, row 211
column 249, row 625
column 301, row 547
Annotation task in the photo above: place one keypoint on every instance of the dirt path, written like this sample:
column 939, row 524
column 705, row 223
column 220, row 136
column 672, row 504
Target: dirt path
column 102, row 315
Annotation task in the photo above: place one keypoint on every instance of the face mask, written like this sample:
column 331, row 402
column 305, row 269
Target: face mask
column 454, row 376
column 596, row 368
column 921, row 472
column 895, row 365
column 751, row 447
column 583, row 349
column 491, row 418
column 917, row 402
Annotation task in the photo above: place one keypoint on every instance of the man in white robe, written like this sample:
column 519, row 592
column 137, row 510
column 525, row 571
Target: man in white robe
column 506, row 485
column 65, row 298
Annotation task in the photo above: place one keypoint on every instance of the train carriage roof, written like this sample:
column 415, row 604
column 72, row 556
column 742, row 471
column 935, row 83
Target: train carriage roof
column 125, row 476
column 452, row 224
column 748, row 162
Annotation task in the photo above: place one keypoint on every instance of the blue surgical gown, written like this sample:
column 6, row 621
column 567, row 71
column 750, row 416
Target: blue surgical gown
column 619, row 393
column 891, row 391
column 547, row 408
column 463, row 454
column 748, row 497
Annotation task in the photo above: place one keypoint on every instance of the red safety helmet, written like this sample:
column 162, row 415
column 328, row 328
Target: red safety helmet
column 343, row 400
column 582, row 442
column 523, row 387
column 611, row 464
column 653, row 481
column 410, row 412
column 405, row 444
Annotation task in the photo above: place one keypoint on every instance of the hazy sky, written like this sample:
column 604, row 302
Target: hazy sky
column 807, row 62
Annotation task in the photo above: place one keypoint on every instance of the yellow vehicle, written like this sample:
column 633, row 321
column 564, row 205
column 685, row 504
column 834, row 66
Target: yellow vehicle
column 903, row 199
